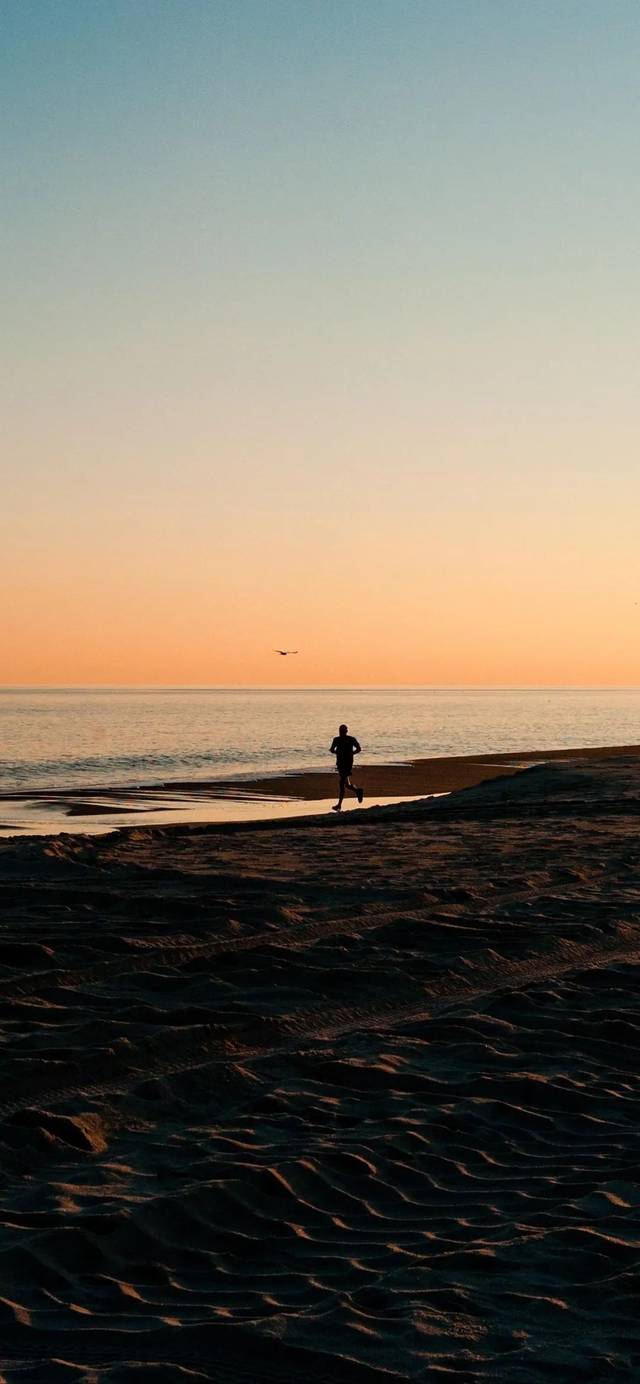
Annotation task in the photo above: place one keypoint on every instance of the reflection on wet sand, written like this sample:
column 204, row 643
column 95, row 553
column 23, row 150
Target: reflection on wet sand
column 94, row 814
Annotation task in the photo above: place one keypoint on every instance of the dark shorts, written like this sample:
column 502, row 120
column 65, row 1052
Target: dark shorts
column 344, row 767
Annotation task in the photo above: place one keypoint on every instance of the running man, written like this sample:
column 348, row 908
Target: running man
column 344, row 747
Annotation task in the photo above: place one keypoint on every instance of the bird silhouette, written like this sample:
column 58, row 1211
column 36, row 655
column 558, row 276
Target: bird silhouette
column 283, row 652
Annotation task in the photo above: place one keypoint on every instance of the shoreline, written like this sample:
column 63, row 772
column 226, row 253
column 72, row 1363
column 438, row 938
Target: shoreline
column 402, row 779
column 423, row 777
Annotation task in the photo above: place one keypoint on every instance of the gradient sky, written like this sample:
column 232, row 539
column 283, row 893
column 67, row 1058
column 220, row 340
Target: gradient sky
column 321, row 330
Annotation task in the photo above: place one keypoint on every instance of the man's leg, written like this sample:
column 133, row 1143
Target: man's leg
column 354, row 789
column 338, row 806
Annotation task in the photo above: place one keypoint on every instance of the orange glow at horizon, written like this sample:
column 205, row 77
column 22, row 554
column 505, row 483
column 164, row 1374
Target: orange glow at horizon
column 493, row 586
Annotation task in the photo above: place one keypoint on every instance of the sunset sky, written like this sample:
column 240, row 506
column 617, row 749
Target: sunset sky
column 321, row 330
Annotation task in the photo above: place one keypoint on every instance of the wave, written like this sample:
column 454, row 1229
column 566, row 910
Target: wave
column 137, row 769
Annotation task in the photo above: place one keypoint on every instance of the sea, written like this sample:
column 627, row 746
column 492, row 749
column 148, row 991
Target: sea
column 72, row 738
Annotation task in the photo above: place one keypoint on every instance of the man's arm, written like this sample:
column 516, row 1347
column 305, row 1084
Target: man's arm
column 356, row 746
column 333, row 745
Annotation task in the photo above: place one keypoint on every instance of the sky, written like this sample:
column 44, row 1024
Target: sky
column 321, row 331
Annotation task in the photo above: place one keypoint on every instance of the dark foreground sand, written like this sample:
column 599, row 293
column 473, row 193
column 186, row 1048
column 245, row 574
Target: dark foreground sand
column 350, row 1100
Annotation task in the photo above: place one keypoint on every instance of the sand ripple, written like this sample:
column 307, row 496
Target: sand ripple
column 324, row 1106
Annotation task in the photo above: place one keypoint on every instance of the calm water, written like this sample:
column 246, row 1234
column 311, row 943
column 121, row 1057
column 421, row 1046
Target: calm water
column 81, row 738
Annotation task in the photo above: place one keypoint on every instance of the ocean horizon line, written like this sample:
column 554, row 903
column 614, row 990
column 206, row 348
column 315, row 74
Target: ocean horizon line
column 319, row 687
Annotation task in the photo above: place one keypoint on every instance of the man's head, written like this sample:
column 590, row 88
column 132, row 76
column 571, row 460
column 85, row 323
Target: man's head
column 343, row 730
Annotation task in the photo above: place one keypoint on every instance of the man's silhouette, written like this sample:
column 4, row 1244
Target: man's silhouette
column 344, row 747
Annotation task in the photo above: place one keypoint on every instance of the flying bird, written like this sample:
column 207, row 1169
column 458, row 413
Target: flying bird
column 283, row 652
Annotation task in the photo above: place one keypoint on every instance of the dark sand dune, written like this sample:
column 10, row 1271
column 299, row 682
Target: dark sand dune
column 348, row 1100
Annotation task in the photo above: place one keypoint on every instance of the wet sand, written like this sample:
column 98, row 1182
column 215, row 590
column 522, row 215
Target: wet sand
column 445, row 774
column 98, row 809
column 345, row 1099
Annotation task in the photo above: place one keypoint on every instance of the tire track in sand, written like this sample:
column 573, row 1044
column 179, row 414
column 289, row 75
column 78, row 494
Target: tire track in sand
column 316, row 1026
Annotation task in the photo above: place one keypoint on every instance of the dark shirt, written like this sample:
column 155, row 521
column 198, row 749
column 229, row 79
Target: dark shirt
column 344, row 747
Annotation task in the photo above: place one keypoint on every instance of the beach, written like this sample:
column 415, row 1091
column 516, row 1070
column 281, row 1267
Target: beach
column 420, row 777
column 97, row 808
column 345, row 1099
column 320, row 693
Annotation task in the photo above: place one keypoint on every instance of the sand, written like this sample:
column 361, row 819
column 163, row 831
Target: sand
column 350, row 1099
column 437, row 774
column 97, row 809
